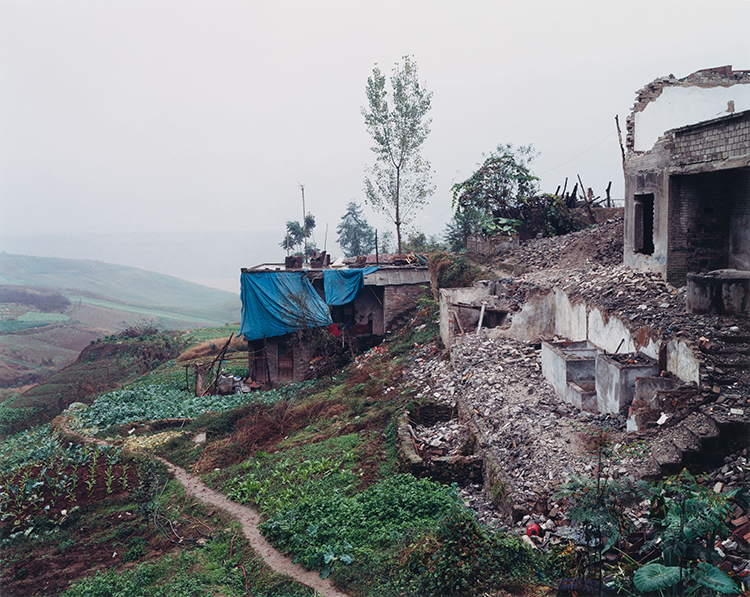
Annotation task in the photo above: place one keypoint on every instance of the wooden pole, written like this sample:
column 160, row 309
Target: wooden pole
column 304, row 221
column 481, row 319
column 622, row 148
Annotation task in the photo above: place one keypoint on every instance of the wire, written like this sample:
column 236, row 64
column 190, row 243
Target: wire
column 579, row 155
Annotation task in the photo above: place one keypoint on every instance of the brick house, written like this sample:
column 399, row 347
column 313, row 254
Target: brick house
column 687, row 175
column 371, row 304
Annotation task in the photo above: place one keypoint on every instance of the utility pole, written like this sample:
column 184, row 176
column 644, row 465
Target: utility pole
column 304, row 221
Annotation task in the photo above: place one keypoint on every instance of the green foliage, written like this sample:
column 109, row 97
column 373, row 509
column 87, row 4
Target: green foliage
column 356, row 236
column 296, row 235
column 500, row 185
column 461, row 226
column 400, row 180
column 715, row 579
column 656, row 577
column 418, row 242
column 462, row 558
column 451, row 271
column 688, row 515
column 284, row 485
column 342, row 525
column 501, row 196
column 151, row 401
column 189, row 574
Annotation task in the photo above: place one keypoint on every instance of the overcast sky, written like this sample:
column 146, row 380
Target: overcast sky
column 172, row 134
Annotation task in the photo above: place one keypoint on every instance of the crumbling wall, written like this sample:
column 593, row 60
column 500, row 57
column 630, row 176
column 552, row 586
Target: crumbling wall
column 701, row 96
column 687, row 185
column 449, row 297
column 543, row 315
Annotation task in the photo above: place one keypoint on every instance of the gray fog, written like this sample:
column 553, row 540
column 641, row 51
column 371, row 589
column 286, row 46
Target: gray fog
column 173, row 135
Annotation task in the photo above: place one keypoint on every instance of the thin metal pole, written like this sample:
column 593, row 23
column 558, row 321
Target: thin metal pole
column 304, row 221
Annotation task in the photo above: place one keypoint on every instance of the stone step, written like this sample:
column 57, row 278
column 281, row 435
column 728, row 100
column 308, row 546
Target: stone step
column 666, row 455
column 704, row 428
column 686, row 442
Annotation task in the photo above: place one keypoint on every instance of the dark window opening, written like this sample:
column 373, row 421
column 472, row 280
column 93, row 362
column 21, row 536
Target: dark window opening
column 286, row 362
column 643, row 241
column 343, row 314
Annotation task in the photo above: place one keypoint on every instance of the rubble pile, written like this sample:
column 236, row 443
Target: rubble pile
column 539, row 441
column 599, row 245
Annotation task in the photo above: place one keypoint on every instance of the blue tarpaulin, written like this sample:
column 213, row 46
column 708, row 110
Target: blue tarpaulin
column 342, row 285
column 277, row 303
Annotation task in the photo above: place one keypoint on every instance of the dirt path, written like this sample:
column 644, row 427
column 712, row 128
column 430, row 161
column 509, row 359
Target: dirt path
column 250, row 519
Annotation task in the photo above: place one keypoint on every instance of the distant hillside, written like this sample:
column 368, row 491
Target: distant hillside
column 50, row 309
column 116, row 282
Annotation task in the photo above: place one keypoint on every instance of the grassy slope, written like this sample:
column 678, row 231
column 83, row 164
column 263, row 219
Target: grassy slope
column 327, row 442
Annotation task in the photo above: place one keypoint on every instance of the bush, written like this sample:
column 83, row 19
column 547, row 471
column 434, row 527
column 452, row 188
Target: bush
column 451, row 271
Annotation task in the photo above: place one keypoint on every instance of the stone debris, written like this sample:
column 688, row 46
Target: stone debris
column 541, row 442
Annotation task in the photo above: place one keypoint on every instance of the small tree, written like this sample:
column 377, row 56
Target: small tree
column 399, row 182
column 295, row 236
column 499, row 186
column 464, row 223
column 418, row 242
column 356, row 236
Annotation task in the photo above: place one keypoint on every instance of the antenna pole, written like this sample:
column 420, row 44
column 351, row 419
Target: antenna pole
column 304, row 220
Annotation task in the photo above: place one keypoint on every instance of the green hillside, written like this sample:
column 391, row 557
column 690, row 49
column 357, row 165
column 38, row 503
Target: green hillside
column 115, row 282
column 51, row 308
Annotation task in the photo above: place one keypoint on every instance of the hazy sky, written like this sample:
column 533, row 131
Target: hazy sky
column 172, row 134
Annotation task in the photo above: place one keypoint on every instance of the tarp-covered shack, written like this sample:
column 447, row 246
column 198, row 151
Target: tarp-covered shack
column 277, row 302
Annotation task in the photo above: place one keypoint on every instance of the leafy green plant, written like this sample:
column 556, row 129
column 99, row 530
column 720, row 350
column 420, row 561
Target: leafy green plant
column 689, row 518
column 374, row 519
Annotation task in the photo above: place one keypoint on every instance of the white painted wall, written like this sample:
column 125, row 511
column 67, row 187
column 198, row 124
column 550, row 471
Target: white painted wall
column 680, row 106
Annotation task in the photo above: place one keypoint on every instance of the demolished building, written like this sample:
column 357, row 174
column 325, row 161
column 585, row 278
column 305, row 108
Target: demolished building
column 687, row 178
column 655, row 346
column 278, row 302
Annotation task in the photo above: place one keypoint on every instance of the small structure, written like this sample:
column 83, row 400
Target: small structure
column 687, row 175
column 490, row 246
column 280, row 302
column 570, row 368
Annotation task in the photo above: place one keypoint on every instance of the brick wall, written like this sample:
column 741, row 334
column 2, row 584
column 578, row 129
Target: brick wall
column 701, row 206
column 726, row 138
column 399, row 299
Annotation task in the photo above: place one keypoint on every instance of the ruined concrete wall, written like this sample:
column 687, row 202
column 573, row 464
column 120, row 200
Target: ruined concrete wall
column 570, row 319
column 536, row 319
column 541, row 316
column 448, row 298
column 642, row 181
